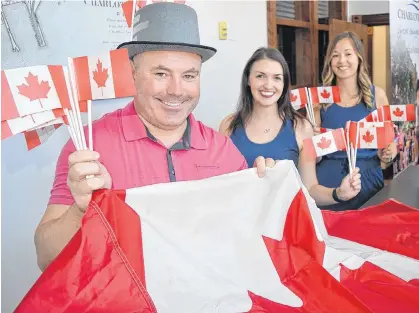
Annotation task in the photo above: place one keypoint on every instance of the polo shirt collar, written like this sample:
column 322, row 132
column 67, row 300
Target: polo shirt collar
column 134, row 129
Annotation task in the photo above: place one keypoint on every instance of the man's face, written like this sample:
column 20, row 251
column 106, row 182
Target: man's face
column 168, row 86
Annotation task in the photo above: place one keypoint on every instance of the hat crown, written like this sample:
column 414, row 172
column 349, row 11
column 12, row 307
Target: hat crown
column 166, row 22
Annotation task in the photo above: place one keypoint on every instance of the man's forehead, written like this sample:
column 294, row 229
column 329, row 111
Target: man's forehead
column 169, row 59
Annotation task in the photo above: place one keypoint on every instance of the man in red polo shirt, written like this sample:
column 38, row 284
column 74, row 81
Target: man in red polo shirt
column 154, row 139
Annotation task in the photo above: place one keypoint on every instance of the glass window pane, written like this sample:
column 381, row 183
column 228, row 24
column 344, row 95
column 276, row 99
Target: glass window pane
column 294, row 43
column 295, row 10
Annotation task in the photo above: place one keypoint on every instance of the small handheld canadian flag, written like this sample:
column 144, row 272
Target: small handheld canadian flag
column 325, row 143
column 18, row 125
column 104, row 77
column 327, row 94
column 29, row 90
column 395, row 113
column 36, row 137
column 298, row 98
column 371, row 135
column 128, row 7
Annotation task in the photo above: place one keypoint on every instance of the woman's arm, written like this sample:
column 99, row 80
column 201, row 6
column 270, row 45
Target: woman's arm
column 349, row 187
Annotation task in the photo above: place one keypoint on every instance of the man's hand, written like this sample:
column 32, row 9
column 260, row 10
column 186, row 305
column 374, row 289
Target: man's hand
column 81, row 164
column 261, row 164
column 350, row 186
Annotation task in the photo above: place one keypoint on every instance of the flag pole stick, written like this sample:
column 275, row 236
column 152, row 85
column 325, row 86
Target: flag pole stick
column 89, row 123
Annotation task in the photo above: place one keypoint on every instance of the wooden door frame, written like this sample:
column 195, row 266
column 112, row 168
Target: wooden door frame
column 313, row 26
column 371, row 20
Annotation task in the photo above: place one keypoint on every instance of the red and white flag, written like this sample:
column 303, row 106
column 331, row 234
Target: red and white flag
column 395, row 113
column 298, row 98
column 325, row 130
column 36, row 137
column 266, row 250
column 18, row 125
column 33, row 89
column 372, row 135
column 105, row 76
column 402, row 113
column 127, row 7
column 328, row 94
column 325, row 143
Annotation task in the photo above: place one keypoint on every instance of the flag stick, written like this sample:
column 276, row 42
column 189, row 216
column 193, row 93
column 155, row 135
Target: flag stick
column 133, row 15
column 348, row 152
column 309, row 108
column 77, row 107
column 71, row 120
column 89, row 123
column 356, row 143
column 73, row 126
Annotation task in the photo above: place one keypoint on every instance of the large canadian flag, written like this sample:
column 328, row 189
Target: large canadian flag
column 105, row 76
column 326, row 143
column 327, row 94
column 34, row 89
column 372, row 135
column 298, row 98
column 231, row 243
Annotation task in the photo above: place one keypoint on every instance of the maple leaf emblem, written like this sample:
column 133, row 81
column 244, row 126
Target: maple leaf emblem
column 324, row 143
column 368, row 137
column 293, row 97
column 100, row 75
column 34, row 90
column 325, row 94
column 398, row 112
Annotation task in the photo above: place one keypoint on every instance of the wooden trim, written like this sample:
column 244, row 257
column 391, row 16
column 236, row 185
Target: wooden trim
column 314, row 38
column 321, row 27
column 372, row 19
column 345, row 10
column 272, row 30
column 292, row 23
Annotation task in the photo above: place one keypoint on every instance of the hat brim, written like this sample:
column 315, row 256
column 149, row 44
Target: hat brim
column 137, row 47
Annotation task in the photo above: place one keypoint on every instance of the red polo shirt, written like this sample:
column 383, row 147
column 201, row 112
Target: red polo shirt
column 135, row 158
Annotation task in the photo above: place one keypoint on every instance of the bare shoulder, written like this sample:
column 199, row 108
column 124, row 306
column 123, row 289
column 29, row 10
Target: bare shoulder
column 225, row 123
column 304, row 128
column 380, row 96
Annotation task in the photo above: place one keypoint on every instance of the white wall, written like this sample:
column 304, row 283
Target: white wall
column 364, row 7
column 27, row 176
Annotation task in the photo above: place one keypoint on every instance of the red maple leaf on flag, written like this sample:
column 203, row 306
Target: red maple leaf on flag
column 368, row 137
column 293, row 97
column 324, row 143
column 398, row 112
column 325, row 94
column 34, row 90
column 100, row 75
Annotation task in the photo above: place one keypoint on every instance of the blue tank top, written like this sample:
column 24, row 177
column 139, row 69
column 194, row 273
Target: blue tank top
column 283, row 147
column 336, row 116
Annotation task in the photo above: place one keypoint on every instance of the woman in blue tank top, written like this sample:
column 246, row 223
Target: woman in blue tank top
column 345, row 68
column 265, row 124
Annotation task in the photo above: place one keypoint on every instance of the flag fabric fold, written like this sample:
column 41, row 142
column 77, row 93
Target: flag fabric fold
column 232, row 243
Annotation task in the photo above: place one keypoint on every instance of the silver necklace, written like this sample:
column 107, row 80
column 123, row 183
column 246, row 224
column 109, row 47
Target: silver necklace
column 267, row 130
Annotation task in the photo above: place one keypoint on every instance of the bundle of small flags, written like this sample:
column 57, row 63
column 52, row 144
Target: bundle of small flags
column 309, row 97
column 37, row 100
column 362, row 135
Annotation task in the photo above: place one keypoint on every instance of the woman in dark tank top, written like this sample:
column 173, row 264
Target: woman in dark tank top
column 265, row 124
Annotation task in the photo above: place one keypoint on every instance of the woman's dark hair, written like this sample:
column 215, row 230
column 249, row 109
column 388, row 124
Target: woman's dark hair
column 245, row 103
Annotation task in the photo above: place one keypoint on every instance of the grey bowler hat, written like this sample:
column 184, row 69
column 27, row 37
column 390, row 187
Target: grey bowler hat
column 166, row 26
